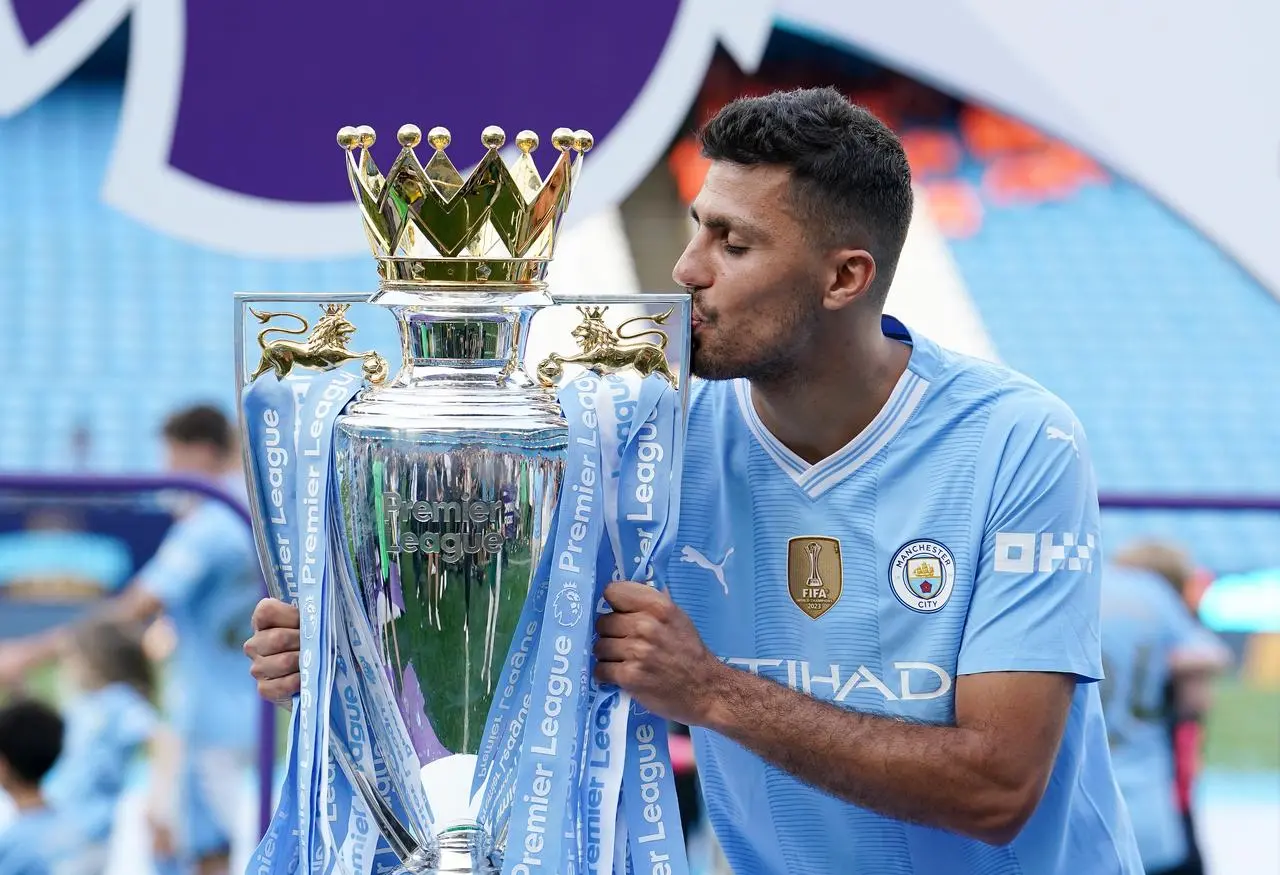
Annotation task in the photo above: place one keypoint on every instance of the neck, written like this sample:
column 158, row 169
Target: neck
column 26, row 798
column 835, row 393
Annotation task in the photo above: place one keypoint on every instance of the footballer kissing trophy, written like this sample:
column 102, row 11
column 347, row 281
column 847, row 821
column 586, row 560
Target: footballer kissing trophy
column 446, row 533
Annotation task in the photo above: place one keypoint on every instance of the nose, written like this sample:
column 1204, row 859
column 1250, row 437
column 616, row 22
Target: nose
column 691, row 270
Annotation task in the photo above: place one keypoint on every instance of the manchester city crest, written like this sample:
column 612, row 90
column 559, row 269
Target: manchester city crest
column 922, row 574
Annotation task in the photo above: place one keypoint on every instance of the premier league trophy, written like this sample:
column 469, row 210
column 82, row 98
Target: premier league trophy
column 413, row 518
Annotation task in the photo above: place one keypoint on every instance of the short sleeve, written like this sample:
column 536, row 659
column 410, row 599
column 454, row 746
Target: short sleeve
column 190, row 551
column 1036, row 600
column 134, row 723
column 1184, row 635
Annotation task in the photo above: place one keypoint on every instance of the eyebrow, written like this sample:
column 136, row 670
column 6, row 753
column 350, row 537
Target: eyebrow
column 723, row 223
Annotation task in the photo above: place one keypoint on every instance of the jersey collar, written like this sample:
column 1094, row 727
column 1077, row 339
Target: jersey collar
column 817, row 479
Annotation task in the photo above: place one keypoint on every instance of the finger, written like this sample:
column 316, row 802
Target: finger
column 614, row 625
column 271, row 668
column 269, row 642
column 273, row 613
column 279, row 691
column 607, row 673
column 623, row 675
column 627, row 597
column 613, row 649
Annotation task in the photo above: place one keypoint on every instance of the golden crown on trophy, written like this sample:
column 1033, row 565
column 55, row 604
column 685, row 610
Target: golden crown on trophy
column 428, row 225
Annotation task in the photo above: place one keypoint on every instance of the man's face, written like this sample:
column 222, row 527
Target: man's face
column 757, row 282
column 196, row 459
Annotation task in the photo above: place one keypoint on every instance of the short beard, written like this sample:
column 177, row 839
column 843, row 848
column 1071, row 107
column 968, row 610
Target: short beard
column 775, row 367
column 772, row 364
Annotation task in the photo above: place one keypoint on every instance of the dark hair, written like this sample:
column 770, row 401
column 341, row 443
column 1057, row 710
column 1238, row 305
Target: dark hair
column 30, row 739
column 849, row 174
column 114, row 652
column 202, row 424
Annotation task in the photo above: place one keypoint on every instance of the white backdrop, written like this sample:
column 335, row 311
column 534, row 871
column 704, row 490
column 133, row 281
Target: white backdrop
column 1179, row 96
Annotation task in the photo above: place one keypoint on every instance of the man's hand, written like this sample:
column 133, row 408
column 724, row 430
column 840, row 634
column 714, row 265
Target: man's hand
column 274, row 650
column 649, row 648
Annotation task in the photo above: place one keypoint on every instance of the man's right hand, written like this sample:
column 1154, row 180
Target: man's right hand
column 274, row 650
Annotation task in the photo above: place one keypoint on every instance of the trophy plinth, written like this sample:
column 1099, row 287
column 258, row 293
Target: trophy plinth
column 465, row 849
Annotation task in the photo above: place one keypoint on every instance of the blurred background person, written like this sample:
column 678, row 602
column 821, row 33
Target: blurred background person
column 1186, row 724
column 205, row 579
column 109, row 721
column 36, row 840
column 1160, row 664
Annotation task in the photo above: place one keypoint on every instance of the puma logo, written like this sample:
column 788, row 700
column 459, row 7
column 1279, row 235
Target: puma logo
column 1054, row 433
column 691, row 554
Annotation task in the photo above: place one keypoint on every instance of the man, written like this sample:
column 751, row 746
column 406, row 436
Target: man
column 898, row 673
column 205, row 578
column 1160, row 665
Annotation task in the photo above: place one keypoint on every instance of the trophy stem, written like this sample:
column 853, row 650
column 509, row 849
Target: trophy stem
column 448, row 476
column 460, row 345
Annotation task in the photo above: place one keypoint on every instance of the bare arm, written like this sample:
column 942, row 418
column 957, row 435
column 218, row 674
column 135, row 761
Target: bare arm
column 982, row 777
column 18, row 657
column 1194, row 671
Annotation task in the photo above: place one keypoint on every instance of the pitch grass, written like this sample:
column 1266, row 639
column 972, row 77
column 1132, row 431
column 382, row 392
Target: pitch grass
column 1243, row 730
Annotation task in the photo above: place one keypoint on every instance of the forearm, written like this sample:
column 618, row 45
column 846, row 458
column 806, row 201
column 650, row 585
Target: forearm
column 134, row 605
column 940, row 776
column 44, row 647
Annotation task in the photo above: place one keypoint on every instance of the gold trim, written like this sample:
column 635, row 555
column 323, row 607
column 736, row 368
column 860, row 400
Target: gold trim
column 481, row 274
column 324, row 349
column 603, row 351
column 427, row 224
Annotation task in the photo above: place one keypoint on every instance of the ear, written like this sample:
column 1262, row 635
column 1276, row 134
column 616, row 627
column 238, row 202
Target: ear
column 853, row 275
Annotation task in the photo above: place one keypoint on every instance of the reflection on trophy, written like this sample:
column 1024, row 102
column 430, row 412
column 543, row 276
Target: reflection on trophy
column 449, row 473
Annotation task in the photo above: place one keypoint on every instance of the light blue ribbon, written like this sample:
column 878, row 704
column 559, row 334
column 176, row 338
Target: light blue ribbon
column 608, row 774
column 320, row 824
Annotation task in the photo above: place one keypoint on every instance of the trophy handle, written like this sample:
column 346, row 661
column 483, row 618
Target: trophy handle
column 404, row 845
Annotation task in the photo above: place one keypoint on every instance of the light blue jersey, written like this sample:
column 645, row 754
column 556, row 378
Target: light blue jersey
column 106, row 732
column 207, row 575
column 35, row 843
column 1144, row 625
column 958, row 534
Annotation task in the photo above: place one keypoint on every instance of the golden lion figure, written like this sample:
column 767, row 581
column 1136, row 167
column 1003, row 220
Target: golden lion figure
column 324, row 349
column 604, row 352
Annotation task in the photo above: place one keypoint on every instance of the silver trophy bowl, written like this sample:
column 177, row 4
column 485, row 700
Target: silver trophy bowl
column 448, row 478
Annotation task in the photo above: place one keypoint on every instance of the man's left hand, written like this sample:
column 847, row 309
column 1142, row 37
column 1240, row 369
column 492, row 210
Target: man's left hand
column 649, row 648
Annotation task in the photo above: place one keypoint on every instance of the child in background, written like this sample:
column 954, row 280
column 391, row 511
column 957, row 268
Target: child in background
column 109, row 721
column 36, row 842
